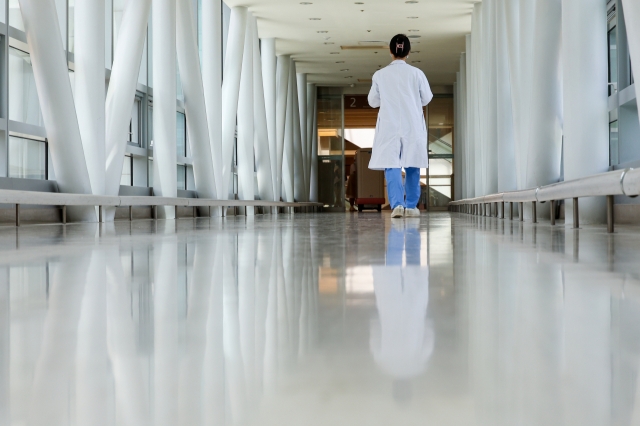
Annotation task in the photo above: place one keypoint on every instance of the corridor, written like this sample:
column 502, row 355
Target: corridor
column 326, row 319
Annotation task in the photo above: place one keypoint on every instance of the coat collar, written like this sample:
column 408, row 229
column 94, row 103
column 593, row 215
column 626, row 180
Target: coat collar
column 398, row 61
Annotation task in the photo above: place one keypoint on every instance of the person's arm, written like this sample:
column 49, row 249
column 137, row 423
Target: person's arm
column 425, row 90
column 374, row 94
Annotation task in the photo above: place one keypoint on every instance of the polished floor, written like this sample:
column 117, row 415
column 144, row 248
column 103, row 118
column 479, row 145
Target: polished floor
column 327, row 319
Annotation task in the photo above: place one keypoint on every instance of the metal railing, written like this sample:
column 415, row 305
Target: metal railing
column 619, row 182
column 63, row 200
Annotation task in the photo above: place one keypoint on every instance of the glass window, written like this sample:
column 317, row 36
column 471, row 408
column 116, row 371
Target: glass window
column 331, row 145
column 15, row 16
column 23, row 96
column 134, row 124
column 127, row 171
column 614, row 156
column 181, row 135
column 613, row 59
column 27, row 158
column 150, row 172
column 71, row 29
column 182, row 177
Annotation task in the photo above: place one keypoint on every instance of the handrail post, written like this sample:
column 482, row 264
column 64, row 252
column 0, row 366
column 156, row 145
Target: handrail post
column 576, row 215
column 99, row 214
column 610, row 217
column 175, row 212
column 17, row 214
column 534, row 212
column 521, row 211
column 155, row 212
column 497, row 210
column 502, row 210
column 130, row 213
column 64, row 215
column 553, row 212
column 511, row 210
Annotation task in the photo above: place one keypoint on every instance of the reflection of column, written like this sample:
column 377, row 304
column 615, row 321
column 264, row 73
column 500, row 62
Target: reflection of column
column 50, row 393
column 91, row 366
column 89, row 86
column 51, row 75
column 263, row 280
column 131, row 393
column 230, row 92
column 268, row 56
column 291, row 284
column 247, row 309
column 122, row 88
column 212, row 82
column 5, row 348
column 261, row 133
column 164, row 103
column 194, row 103
column 165, row 336
column 281, row 302
column 192, row 403
column 214, row 366
column 586, row 108
column 282, row 131
column 272, row 319
column 246, row 162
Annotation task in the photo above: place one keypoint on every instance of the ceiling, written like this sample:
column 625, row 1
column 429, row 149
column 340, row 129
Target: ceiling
column 440, row 25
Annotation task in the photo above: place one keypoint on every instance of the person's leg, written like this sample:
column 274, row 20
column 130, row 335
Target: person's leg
column 395, row 189
column 412, row 186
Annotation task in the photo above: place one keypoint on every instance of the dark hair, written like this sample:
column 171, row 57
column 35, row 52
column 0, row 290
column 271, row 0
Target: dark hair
column 400, row 46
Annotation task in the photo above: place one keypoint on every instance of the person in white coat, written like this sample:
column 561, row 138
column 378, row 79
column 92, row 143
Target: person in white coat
column 400, row 91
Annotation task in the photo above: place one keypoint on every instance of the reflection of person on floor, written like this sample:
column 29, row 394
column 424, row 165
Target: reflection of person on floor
column 402, row 340
column 352, row 184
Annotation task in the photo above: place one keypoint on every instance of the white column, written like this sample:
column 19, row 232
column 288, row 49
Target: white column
column 298, row 153
column 56, row 101
column 246, row 164
column 122, row 88
column 462, row 135
column 89, row 86
column 457, row 165
column 476, row 30
column 632, row 20
column 585, row 99
column 545, row 108
column 302, row 112
column 505, row 128
column 488, row 93
column 470, row 133
column 194, row 103
column 261, row 128
column 164, row 103
column 288, row 165
column 230, row 92
column 283, row 70
column 212, row 82
column 268, row 56
column 313, row 180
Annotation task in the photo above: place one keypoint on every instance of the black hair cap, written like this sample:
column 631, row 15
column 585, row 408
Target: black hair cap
column 400, row 46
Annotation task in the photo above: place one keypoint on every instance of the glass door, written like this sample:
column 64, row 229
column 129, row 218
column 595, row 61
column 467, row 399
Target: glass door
column 439, row 180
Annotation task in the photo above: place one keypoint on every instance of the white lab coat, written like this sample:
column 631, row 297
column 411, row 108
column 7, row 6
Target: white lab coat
column 400, row 91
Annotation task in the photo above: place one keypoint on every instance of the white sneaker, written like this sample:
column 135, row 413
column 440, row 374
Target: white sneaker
column 398, row 212
column 412, row 212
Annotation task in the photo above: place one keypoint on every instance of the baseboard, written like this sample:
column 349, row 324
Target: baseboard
column 627, row 214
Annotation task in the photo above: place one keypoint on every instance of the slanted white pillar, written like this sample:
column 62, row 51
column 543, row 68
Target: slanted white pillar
column 288, row 165
column 283, row 69
column 488, row 106
column 122, row 88
column 476, row 75
column 298, row 153
column 230, row 92
column 585, row 99
column 302, row 108
column 457, row 165
column 505, row 128
column 268, row 56
column 632, row 20
column 261, row 128
column 470, row 115
column 194, row 103
column 246, row 164
column 164, row 103
column 312, row 134
column 90, row 93
column 462, row 137
column 51, row 75
column 212, row 82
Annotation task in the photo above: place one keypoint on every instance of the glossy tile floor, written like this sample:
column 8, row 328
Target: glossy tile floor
column 327, row 319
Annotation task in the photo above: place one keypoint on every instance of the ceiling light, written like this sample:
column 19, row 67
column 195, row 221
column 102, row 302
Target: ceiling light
column 329, row 42
column 358, row 2
column 349, row 76
column 414, row 36
column 318, row 19
column 412, row 17
column 415, row 62
column 344, row 70
column 414, row 31
column 322, row 32
column 305, row 3
column 415, row 51
column 335, row 53
column 339, row 62
column 411, row 2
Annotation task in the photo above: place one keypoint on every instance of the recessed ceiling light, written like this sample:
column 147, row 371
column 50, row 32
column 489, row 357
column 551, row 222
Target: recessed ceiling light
column 350, row 76
column 415, row 51
column 358, row 2
column 414, row 31
column 415, row 62
column 339, row 62
column 412, row 17
column 411, row 2
column 322, row 32
column 329, row 42
column 335, row 53
column 344, row 70
column 414, row 36
column 305, row 3
column 318, row 19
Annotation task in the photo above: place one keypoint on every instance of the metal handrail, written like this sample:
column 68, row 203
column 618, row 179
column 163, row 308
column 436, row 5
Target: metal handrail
column 619, row 182
column 63, row 200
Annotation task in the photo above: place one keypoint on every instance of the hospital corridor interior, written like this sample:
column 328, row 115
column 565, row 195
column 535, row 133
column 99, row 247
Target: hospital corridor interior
column 191, row 233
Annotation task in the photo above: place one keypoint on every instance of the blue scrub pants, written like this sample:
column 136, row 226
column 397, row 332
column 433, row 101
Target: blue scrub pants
column 396, row 190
